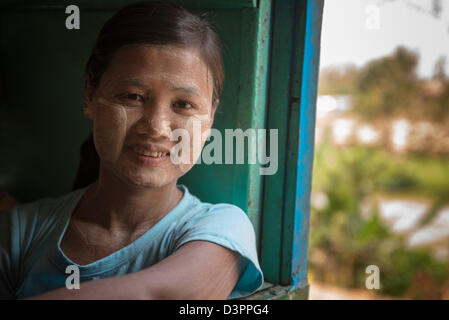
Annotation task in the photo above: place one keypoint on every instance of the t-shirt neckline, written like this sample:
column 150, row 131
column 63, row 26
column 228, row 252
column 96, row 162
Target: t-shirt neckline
column 121, row 256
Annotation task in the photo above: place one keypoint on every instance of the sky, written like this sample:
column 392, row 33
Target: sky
column 356, row 31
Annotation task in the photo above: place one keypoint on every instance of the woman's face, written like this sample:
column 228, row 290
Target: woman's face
column 145, row 94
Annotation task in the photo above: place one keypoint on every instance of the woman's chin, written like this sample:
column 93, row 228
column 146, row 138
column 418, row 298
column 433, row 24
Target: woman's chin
column 153, row 178
column 136, row 176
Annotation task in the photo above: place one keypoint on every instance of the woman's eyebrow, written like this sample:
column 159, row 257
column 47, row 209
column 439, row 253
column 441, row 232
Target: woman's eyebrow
column 192, row 90
column 188, row 89
column 135, row 82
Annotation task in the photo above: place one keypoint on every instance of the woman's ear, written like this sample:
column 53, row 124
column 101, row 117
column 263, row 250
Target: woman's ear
column 87, row 100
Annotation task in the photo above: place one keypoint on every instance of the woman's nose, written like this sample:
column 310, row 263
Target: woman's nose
column 155, row 122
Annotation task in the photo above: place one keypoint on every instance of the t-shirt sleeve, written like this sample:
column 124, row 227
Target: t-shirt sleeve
column 9, row 254
column 18, row 229
column 228, row 226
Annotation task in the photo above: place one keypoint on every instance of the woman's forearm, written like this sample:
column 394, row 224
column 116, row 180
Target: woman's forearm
column 124, row 287
column 197, row 270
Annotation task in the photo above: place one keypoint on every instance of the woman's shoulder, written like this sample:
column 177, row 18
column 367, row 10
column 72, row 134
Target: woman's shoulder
column 39, row 217
column 220, row 219
column 198, row 209
column 48, row 206
column 28, row 226
column 229, row 226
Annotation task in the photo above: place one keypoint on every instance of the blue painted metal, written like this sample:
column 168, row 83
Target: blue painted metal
column 294, row 64
column 306, row 142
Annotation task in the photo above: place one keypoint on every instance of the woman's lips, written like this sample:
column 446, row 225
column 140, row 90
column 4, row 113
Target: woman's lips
column 148, row 157
column 144, row 152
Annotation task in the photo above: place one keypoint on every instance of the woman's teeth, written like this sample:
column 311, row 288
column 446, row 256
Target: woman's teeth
column 149, row 153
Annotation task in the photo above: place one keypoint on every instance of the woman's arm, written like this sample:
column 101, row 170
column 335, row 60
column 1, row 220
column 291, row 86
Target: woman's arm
column 197, row 270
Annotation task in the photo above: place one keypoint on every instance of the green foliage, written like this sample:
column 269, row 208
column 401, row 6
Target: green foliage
column 351, row 238
column 406, row 271
column 346, row 234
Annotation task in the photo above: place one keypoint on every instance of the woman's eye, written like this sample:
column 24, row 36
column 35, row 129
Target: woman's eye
column 184, row 105
column 132, row 96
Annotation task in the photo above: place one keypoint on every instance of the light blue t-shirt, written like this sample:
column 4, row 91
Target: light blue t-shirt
column 32, row 262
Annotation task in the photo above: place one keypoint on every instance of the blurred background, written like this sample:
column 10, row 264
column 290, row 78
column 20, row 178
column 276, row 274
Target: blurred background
column 380, row 192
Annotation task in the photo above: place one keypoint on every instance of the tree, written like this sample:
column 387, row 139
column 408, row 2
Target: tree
column 387, row 86
column 338, row 80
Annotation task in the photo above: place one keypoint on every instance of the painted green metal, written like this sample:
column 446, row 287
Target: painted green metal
column 291, row 109
column 292, row 155
column 278, row 115
column 112, row 5
column 253, row 101
column 288, row 230
column 270, row 291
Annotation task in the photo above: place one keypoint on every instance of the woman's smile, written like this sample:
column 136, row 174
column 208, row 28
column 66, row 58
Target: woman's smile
column 152, row 156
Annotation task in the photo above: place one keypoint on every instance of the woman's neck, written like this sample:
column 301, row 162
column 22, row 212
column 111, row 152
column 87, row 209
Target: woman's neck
column 115, row 205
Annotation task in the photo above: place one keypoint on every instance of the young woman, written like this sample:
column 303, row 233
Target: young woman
column 135, row 233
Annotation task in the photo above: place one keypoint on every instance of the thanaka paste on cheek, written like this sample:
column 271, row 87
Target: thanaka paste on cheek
column 109, row 135
column 109, row 129
column 199, row 130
